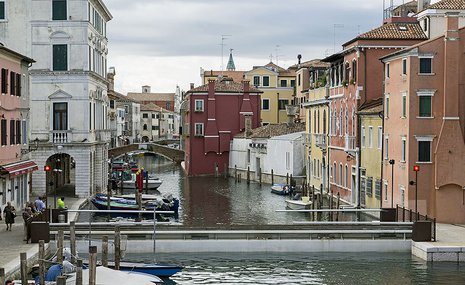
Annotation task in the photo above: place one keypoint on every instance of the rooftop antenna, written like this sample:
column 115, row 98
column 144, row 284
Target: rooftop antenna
column 223, row 38
column 271, row 57
column 277, row 54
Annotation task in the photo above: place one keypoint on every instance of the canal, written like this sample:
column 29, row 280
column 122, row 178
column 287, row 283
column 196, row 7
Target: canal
column 210, row 202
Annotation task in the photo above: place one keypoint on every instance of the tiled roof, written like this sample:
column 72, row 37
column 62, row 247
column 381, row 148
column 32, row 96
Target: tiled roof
column 448, row 5
column 151, row 96
column 119, row 97
column 151, row 107
column 237, row 76
column 371, row 107
column 273, row 130
column 225, row 86
column 391, row 31
column 310, row 63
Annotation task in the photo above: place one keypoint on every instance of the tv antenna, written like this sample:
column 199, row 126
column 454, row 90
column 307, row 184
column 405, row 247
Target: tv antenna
column 223, row 38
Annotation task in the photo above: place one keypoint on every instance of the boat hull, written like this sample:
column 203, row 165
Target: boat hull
column 160, row 270
column 280, row 189
column 298, row 204
column 152, row 184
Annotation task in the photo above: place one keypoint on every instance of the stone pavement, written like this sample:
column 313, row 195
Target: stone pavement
column 12, row 244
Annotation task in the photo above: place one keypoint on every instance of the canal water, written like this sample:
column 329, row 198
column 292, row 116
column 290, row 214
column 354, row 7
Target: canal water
column 210, row 202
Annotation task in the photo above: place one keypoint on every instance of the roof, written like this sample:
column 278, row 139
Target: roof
column 372, row 107
column 237, row 76
column 289, row 137
column 393, row 31
column 119, row 97
column 448, row 5
column 151, row 107
column 273, row 130
column 317, row 63
column 151, row 96
column 231, row 65
column 225, row 86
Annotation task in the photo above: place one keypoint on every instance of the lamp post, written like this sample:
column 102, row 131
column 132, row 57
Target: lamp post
column 416, row 168
column 392, row 162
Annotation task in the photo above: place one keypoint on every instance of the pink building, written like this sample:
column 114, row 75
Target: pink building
column 15, row 166
column 355, row 78
column 425, row 125
column 216, row 112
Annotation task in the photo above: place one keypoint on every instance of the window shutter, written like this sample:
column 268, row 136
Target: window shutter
column 18, row 85
column 60, row 57
column 2, row 10
column 12, row 132
column 18, row 132
column 425, row 106
column 59, row 10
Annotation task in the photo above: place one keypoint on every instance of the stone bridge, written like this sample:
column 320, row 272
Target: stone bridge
column 173, row 154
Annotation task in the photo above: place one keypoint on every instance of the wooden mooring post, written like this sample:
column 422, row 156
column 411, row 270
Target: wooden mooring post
column 337, row 206
column 117, row 247
column 93, row 265
column 287, row 178
column 41, row 262
column 105, row 251
column 23, row 266
column 61, row 280
column 60, row 242
column 331, row 206
column 72, row 240
column 79, row 271
column 2, row 275
column 235, row 173
column 248, row 174
column 260, row 176
column 225, row 171
column 272, row 177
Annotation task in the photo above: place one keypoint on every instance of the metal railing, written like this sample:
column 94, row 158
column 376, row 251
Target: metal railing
column 407, row 215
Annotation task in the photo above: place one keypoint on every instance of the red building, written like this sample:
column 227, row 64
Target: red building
column 215, row 113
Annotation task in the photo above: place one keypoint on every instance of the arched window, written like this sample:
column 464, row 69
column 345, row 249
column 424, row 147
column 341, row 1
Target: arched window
column 346, row 177
column 340, row 174
column 353, row 122
column 314, row 121
column 145, row 127
column 354, row 71
column 324, row 121
column 334, row 172
column 341, row 125
column 346, row 71
column 347, row 121
column 318, row 122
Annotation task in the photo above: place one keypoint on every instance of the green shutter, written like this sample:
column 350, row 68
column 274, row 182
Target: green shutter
column 425, row 106
column 59, row 10
column 2, row 10
column 60, row 57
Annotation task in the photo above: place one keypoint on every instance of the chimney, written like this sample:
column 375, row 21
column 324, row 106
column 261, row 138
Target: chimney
column 422, row 4
column 192, row 86
column 451, row 63
column 146, row 89
column 291, row 111
column 248, row 125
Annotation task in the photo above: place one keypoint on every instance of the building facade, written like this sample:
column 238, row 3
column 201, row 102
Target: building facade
column 214, row 114
column 70, row 89
column 424, row 119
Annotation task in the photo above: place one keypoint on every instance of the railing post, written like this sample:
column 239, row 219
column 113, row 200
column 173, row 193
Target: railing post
column 23, row 264
column 117, row 247
column 79, row 272
column 272, row 177
column 105, row 251
column 93, row 265
column 41, row 263
column 2, row 275
column 72, row 240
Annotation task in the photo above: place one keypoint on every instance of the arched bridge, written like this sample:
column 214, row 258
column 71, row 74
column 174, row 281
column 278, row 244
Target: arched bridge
column 174, row 154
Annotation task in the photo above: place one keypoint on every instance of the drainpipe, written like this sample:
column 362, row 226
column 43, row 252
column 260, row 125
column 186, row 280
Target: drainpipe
column 277, row 110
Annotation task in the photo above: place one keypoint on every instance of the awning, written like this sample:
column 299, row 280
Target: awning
column 18, row 168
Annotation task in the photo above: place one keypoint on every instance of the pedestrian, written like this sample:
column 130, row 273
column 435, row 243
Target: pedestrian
column 28, row 216
column 61, row 203
column 9, row 213
column 39, row 203
column 8, row 282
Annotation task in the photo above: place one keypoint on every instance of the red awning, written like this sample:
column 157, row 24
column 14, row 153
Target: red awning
column 18, row 168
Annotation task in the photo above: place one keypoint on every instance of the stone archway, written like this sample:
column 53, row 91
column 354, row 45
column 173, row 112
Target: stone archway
column 450, row 204
column 61, row 177
column 145, row 139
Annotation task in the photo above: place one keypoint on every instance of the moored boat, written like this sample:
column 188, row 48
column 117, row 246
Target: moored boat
column 280, row 189
column 151, row 183
column 301, row 203
column 167, row 203
column 157, row 269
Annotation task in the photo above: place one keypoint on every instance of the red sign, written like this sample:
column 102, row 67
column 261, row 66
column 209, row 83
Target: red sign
column 416, row 168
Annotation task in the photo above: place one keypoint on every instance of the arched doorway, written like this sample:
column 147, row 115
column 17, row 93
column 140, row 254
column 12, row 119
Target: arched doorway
column 145, row 139
column 60, row 179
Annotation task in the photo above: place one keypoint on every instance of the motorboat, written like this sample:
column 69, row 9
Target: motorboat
column 108, row 276
column 151, row 183
column 280, row 189
column 157, row 269
column 299, row 202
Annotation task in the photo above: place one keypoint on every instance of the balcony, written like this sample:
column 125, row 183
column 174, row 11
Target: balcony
column 60, row 136
column 308, row 140
column 321, row 141
column 349, row 145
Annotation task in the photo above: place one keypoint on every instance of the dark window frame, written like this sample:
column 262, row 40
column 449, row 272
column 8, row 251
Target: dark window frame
column 59, row 10
column 60, row 57
column 60, row 116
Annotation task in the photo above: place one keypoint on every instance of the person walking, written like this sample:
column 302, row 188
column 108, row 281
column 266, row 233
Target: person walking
column 40, row 205
column 61, row 203
column 27, row 217
column 10, row 214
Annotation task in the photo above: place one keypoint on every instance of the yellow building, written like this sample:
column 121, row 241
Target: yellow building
column 317, row 127
column 277, row 85
column 371, row 144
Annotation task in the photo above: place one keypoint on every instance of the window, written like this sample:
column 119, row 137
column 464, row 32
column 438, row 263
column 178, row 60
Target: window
column 126, row 109
column 283, row 83
column 18, row 132
column 385, row 190
column 60, row 57
column 387, row 70
column 425, row 24
column 59, row 10
column 404, row 66
column 386, row 148
column 4, row 129
column 199, row 105
column 299, row 80
column 334, row 174
column 198, row 129
column 404, row 104
column 377, row 188
column 346, row 177
column 12, row 132
column 354, row 71
column 282, row 103
column 380, row 137
column 403, row 149
column 266, row 81
column 425, row 100
column 370, row 136
column 256, row 80
column 340, row 174
column 12, row 83
column 424, row 151
column 369, row 186
column 2, row 10
column 24, row 131
column 363, row 136
column 145, row 115
column 265, row 104
column 168, row 105
column 4, row 81
column 426, row 65
column 293, row 83
column 153, row 116
column 60, row 116
column 386, row 108
column 112, row 104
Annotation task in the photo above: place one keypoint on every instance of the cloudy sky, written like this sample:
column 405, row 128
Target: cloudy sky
column 163, row 43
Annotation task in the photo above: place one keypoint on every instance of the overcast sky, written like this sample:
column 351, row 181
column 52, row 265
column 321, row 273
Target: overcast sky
column 163, row 43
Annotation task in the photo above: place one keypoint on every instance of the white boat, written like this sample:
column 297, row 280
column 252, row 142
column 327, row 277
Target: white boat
column 280, row 189
column 107, row 276
column 299, row 204
column 153, row 183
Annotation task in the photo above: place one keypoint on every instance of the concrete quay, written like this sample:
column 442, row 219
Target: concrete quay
column 12, row 244
column 449, row 245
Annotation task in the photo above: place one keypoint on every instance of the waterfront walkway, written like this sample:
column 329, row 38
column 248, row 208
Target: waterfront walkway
column 12, row 244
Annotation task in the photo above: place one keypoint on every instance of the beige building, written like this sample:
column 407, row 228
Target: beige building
column 277, row 85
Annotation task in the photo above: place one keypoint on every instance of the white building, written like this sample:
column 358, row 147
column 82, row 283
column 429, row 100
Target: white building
column 277, row 147
column 69, row 100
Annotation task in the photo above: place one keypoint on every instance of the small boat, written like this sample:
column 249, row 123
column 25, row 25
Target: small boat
column 166, row 203
column 280, row 189
column 301, row 203
column 160, row 270
column 108, row 276
column 153, row 183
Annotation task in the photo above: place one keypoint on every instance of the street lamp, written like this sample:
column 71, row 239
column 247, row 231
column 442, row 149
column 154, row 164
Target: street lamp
column 392, row 162
column 416, row 168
